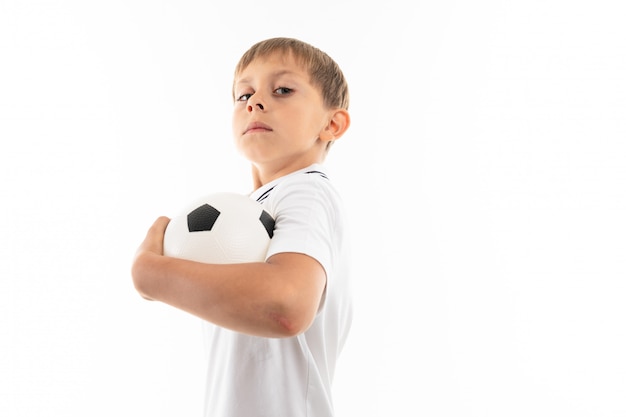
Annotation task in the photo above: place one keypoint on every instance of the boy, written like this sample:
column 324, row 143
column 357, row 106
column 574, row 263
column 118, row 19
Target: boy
column 275, row 328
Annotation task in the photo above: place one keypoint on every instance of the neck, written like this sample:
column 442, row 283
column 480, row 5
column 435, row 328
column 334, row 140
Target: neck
column 257, row 182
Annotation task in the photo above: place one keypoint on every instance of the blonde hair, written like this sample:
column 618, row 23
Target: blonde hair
column 323, row 70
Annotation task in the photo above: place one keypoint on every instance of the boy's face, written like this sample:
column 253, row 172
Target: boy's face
column 279, row 116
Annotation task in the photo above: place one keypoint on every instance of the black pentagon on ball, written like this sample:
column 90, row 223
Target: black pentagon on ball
column 202, row 219
column 268, row 222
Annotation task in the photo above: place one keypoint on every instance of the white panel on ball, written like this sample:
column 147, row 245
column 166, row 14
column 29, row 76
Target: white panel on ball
column 220, row 228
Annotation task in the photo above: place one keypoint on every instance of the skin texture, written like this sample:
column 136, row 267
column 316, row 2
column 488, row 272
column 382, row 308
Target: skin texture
column 280, row 125
column 276, row 92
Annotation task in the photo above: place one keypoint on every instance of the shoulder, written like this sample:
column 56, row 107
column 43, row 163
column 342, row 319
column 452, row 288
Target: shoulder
column 307, row 182
column 309, row 189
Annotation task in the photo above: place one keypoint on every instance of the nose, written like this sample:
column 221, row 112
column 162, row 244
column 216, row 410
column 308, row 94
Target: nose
column 254, row 103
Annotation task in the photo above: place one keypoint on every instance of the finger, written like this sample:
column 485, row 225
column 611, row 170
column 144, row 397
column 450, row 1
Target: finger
column 159, row 225
column 157, row 230
column 153, row 242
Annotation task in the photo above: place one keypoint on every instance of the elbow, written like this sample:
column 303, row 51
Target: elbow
column 285, row 327
column 291, row 323
column 294, row 311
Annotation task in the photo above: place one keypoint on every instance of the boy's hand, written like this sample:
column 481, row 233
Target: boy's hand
column 151, row 247
column 153, row 241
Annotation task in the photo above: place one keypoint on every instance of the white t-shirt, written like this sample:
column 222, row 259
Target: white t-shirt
column 252, row 376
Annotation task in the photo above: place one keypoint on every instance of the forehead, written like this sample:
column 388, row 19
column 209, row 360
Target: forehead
column 276, row 63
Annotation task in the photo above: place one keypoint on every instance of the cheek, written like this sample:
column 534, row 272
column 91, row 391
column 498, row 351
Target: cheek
column 236, row 122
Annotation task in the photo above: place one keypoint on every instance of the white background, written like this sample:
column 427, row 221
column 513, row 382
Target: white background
column 485, row 171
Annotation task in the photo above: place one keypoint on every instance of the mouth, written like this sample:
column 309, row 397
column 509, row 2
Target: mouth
column 256, row 127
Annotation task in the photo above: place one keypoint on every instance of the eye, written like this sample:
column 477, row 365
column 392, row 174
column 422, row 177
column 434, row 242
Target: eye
column 244, row 97
column 281, row 91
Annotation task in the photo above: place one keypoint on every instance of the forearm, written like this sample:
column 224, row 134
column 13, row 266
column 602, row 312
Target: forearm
column 253, row 298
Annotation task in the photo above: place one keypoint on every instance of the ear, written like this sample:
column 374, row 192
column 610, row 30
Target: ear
column 337, row 125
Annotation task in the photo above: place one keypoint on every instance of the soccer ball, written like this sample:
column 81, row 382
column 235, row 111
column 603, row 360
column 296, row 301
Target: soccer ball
column 220, row 228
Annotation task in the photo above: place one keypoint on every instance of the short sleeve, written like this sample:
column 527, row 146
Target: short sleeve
column 305, row 213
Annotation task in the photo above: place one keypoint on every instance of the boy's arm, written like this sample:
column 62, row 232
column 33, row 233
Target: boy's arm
column 277, row 298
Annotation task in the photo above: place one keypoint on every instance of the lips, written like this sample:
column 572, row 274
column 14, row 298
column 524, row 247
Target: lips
column 255, row 127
